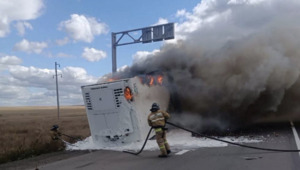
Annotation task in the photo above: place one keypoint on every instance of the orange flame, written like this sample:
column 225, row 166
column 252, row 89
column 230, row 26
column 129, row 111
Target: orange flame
column 151, row 80
column 160, row 79
column 112, row 79
column 127, row 93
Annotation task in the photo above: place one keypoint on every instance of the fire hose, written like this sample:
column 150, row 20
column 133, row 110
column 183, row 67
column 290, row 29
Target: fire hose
column 58, row 134
column 214, row 138
column 143, row 144
column 71, row 137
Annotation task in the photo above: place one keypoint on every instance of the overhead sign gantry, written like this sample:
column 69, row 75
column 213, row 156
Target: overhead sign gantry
column 146, row 35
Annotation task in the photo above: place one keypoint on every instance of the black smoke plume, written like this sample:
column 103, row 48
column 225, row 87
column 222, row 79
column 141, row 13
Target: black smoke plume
column 240, row 67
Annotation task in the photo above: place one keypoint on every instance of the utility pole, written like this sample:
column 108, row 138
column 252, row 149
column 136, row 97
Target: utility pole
column 146, row 35
column 57, row 95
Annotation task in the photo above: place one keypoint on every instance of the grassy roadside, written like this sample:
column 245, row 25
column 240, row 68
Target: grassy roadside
column 25, row 131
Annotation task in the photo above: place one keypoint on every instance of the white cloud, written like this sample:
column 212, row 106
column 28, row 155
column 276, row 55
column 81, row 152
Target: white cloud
column 140, row 56
column 92, row 54
column 10, row 94
column 22, row 26
column 82, row 28
column 76, row 75
column 231, row 17
column 35, row 86
column 30, row 47
column 43, row 78
column 245, row 1
column 161, row 21
column 63, row 41
column 10, row 60
column 18, row 10
column 121, row 69
column 208, row 13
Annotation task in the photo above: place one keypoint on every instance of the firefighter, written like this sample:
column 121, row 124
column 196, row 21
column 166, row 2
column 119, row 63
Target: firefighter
column 157, row 119
column 55, row 133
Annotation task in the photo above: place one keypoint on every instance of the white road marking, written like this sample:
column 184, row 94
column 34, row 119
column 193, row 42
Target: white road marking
column 296, row 136
column 181, row 152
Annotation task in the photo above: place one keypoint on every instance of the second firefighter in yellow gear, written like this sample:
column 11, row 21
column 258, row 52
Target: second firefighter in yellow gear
column 157, row 119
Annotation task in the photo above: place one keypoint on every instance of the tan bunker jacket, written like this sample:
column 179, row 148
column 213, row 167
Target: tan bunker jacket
column 158, row 118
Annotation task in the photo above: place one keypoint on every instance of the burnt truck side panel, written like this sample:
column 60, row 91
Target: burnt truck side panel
column 115, row 118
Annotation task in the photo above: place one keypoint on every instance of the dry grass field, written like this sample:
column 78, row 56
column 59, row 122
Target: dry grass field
column 25, row 131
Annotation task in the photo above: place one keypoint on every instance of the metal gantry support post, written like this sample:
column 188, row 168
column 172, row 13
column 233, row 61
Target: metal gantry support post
column 114, row 52
column 147, row 35
column 57, row 94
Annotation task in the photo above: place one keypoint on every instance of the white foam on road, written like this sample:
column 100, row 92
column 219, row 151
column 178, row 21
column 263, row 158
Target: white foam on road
column 178, row 140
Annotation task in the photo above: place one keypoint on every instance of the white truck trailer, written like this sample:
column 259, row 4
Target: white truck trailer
column 117, row 111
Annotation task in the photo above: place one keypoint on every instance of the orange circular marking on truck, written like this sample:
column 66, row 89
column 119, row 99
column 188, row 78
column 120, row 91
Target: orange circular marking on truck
column 127, row 93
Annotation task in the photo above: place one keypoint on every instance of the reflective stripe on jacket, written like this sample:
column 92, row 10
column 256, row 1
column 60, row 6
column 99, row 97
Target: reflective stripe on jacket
column 158, row 118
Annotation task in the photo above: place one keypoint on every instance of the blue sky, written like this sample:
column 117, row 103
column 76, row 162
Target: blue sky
column 77, row 34
column 36, row 33
column 117, row 15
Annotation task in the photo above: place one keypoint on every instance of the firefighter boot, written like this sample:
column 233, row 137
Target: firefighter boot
column 163, row 151
column 167, row 146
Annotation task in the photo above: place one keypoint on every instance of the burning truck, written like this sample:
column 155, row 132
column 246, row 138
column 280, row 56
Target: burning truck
column 117, row 110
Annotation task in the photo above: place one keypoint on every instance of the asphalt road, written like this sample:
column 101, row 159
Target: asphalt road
column 279, row 136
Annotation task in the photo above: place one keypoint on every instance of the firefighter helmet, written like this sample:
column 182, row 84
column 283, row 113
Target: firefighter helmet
column 54, row 128
column 154, row 107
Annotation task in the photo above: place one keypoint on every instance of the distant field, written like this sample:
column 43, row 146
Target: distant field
column 25, row 131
